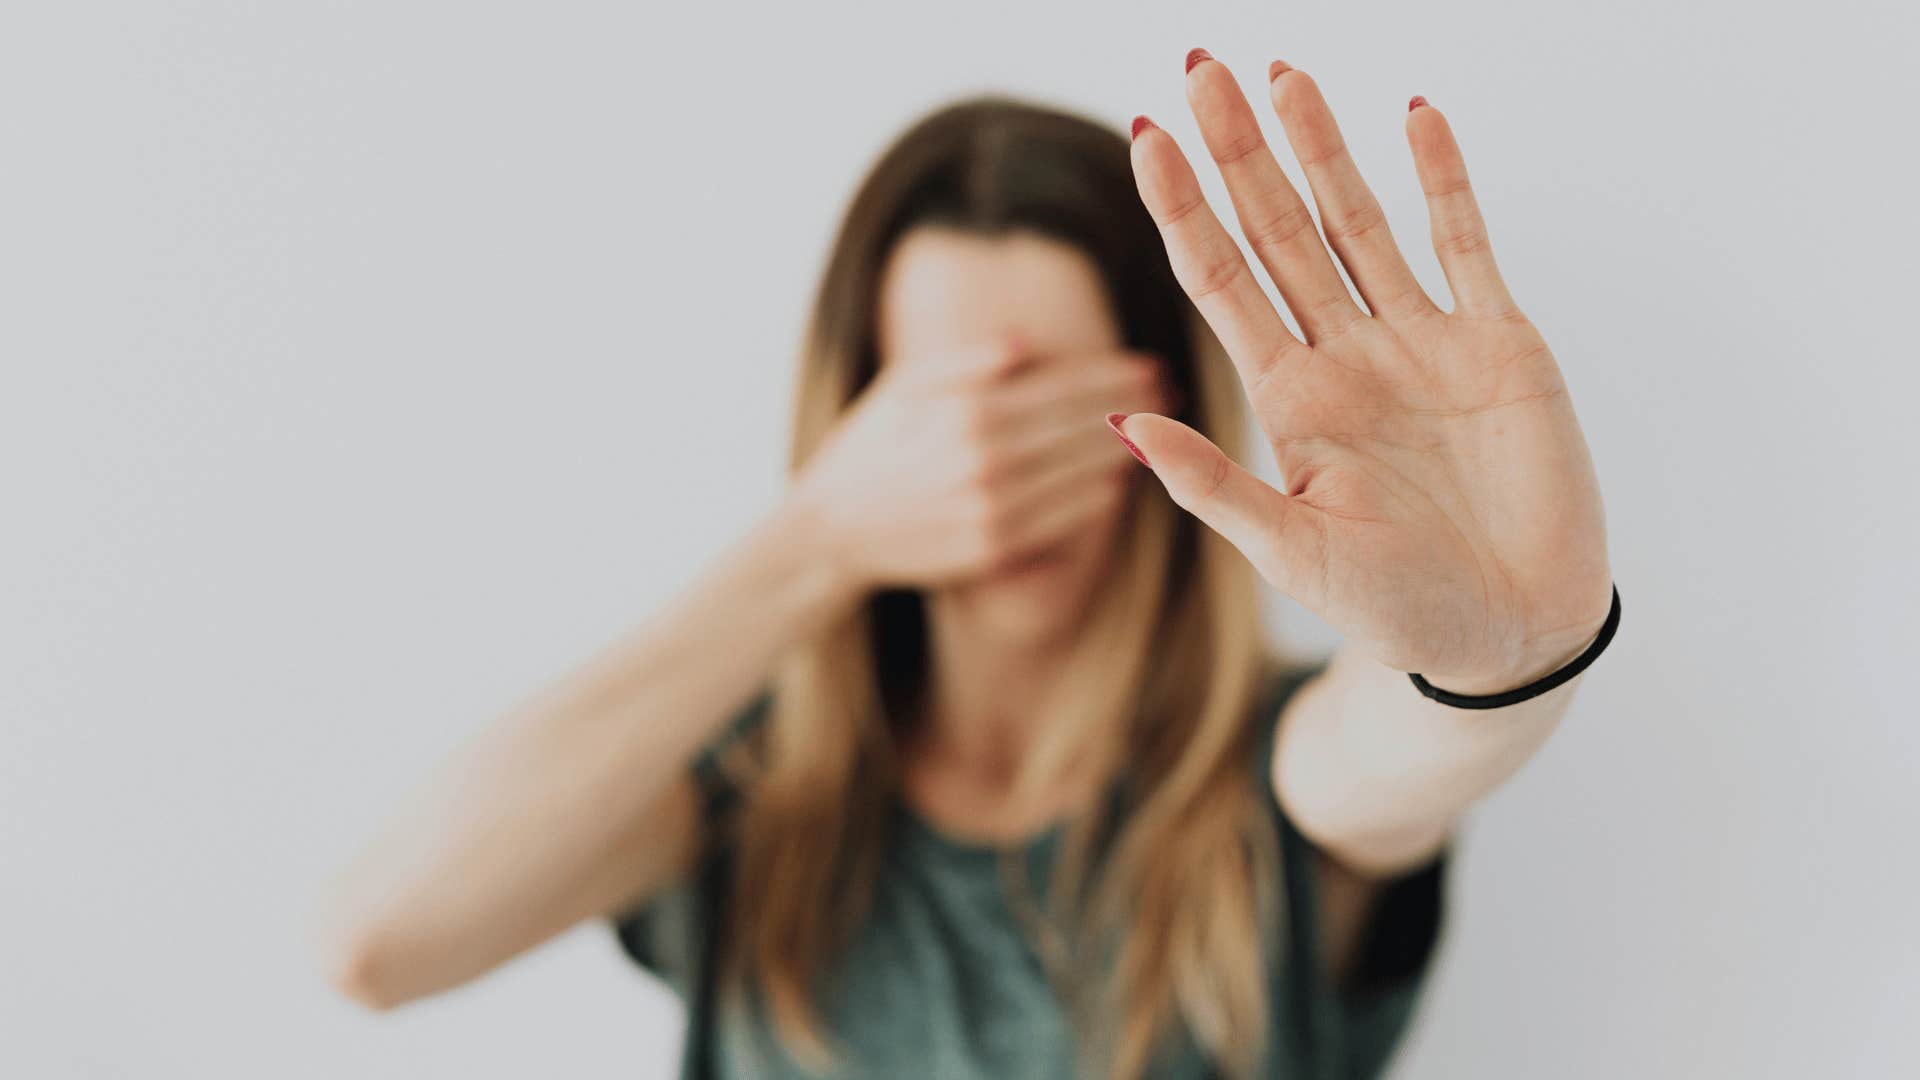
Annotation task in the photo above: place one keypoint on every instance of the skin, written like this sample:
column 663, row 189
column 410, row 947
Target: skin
column 1439, row 508
column 999, row 633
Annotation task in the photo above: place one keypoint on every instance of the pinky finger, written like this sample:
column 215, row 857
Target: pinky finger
column 1459, row 233
column 1093, row 493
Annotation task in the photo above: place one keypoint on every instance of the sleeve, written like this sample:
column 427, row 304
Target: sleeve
column 667, row 932
column 1358, row 1021
column 1395, row 955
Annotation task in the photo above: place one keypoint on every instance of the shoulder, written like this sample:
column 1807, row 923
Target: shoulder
column 1384, row 933
column 665, row 933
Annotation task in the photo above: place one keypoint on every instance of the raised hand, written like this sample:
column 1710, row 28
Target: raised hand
column 965, row 464
column 1439, row 507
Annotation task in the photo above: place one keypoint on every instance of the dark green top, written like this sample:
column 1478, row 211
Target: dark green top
column 941, row 984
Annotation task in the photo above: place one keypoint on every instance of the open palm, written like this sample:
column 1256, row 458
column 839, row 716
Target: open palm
column 1439, row 507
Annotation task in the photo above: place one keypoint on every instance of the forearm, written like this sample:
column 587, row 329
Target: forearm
column 652, row 700
column 1378, row 774
column 566, row 805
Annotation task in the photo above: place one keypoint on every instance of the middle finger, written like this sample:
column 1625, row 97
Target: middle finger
column 1356, row 227
column 1272, row 216
column 1067, row 387
column 1071, row 429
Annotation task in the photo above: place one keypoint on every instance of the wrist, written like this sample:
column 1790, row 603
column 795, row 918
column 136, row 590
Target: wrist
column 1542, row 658
column 803, row 540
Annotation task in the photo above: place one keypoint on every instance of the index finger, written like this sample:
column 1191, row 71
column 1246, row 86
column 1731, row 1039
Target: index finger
column 980, row 363
column 1100, row 380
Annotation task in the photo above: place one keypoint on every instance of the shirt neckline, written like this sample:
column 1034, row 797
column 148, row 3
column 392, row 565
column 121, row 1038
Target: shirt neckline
column 918, row 826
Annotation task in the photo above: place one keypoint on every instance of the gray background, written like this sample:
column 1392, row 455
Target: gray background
column 366, row 364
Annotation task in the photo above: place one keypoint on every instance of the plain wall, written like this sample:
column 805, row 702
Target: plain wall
column 368, row 364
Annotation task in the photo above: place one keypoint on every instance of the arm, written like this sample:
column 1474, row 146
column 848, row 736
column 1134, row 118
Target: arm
column 1360, row 730
column 1438, row 503
column 578, row 803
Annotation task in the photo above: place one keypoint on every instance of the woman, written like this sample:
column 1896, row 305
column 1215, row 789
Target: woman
column 968, row 760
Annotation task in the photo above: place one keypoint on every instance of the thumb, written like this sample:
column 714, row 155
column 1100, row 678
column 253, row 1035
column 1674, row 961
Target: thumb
column 1280, row 536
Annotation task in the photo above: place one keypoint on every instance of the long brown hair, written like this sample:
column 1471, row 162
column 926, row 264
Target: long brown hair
column 1170, row 895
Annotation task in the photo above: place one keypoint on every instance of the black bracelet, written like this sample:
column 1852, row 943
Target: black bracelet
column 1539, row 686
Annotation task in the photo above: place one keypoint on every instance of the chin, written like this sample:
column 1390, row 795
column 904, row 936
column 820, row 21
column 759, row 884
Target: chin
column 1035, row 603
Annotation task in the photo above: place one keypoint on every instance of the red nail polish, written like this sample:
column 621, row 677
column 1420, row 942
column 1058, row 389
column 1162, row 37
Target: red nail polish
column 1197, row 55
column 1277, row 69
column 1113, row 421
column 1416, row 102
column 1140, row 124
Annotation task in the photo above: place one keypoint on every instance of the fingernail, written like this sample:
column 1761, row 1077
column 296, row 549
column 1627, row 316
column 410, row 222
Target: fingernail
column 1140, row 124
column 1195, row 56
column 1416, row 102
column 1277, row 69
column 1113, row 421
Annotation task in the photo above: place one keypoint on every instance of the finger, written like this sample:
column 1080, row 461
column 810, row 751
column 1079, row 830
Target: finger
column 1063, row 478
column 1208, row 264
column 1068, row 380
column 1459, row 233
column 1039, row 469
column 1355, row 225
column 1283, row 538
column 994, row 360
column 1272, row 217
column 1054, row 403
column 1049, row 522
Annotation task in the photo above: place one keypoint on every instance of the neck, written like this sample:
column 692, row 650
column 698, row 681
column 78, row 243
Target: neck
column 979, row 711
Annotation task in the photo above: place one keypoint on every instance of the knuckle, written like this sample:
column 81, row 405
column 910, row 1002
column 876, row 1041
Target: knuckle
column 1332, row 316
column 1238, row 148
column 1217, row 475
column 1357, row 222
column 1471, row 240
column 1179, row 213
column 1450, row 188
column 1406, row 301
column 1333, row 303
column 1323, row 156
column 1217, row 275
column 1280, row 229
